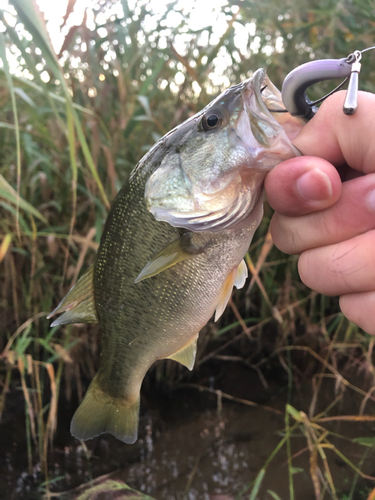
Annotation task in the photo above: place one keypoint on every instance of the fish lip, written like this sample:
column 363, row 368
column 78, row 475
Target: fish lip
column 264, row 128
column 253, row 86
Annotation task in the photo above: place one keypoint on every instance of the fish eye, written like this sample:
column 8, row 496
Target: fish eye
column 212, row 120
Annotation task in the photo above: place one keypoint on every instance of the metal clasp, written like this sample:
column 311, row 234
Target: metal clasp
column 350, row 104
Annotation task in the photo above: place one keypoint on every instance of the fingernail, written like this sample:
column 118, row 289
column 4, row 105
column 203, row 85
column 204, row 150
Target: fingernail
column 314, row 185
column 371, row 200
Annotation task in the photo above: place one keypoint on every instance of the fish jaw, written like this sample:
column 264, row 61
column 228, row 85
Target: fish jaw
column 212, row 179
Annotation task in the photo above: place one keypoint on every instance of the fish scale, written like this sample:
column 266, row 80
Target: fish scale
column 156, row 283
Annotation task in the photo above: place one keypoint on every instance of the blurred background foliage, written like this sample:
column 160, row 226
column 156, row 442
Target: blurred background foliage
column 75, row 118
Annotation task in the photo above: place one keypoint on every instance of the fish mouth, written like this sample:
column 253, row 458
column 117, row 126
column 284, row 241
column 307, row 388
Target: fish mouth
column 222, row 200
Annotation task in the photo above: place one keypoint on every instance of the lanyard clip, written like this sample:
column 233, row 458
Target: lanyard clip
column 350, row 104
column 297, row 81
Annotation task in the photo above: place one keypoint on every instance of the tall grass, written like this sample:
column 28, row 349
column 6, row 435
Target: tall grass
column 72, row 127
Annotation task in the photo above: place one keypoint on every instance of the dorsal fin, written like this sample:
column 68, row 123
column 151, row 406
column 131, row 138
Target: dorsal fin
column 186, row 355
column 236, row 278
column 172, row 254
column 78, row 305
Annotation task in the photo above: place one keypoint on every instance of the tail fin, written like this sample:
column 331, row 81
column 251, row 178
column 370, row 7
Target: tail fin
column 99, row 412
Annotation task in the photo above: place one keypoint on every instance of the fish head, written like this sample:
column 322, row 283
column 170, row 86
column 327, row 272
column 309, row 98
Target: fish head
column 212, row 173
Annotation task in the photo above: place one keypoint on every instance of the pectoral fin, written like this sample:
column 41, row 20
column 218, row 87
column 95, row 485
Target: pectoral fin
column 78, row 306
column 235, row 278
column 172, row 254
column 186, row 356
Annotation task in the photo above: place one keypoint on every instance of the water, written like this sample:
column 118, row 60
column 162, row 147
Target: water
column 194, row 446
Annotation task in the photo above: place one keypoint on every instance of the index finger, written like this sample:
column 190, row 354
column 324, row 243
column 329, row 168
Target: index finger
column 339, row 138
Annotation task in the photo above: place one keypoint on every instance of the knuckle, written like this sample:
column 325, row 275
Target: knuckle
column 284, row 235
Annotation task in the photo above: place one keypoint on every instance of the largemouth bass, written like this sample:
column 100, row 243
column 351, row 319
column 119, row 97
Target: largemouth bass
column 173, row 246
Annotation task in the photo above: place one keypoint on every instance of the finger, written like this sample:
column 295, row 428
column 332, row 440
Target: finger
column 339, row 138
column 346, row 267
column 302, row 185
column 360, row 308
column 351, row 215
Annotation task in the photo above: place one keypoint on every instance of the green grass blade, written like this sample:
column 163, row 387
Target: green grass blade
column 15, row 114
column 11, row 195
column 7, row 125
column 257, row 484
column 32, row 19
column 88, row 157
column 274, row 495
column 9, row 208
column 52, row 95
column 73, row 163
column 289, row 454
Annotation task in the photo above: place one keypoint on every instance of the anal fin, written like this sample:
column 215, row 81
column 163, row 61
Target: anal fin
column 186, row 355
column 236, row 278
column 78, row 305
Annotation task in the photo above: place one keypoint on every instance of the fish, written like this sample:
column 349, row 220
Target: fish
column 173, row 247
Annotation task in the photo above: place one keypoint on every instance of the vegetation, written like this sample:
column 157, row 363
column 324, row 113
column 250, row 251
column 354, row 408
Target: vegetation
column 73, row 125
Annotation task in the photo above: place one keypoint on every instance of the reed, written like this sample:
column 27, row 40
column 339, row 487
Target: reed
column 73, row 125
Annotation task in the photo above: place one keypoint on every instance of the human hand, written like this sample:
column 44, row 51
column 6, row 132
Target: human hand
column 331, row 223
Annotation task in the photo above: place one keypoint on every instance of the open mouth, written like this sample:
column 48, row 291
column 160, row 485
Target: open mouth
column 259, row 86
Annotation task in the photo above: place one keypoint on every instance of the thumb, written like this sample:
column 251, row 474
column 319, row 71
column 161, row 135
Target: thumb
column 302, row 185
